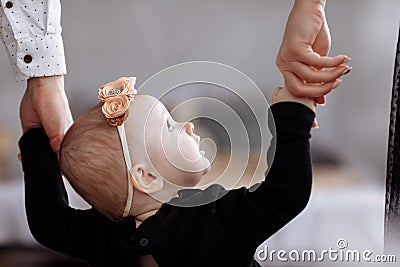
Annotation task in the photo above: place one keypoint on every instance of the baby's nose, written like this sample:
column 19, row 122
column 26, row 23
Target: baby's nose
column 189, row 128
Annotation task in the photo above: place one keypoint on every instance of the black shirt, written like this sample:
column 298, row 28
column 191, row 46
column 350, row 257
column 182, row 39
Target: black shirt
column 224, row 232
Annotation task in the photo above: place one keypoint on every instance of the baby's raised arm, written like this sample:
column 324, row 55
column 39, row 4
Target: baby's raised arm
column 265, row 208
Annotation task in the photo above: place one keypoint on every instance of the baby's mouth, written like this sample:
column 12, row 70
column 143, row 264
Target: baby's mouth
column 198, row 140
column 202, row 152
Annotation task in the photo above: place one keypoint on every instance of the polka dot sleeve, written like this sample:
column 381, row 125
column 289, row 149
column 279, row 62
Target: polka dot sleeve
column 31, row 33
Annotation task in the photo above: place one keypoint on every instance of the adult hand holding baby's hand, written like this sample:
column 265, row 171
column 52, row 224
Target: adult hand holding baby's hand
column 303, row 54
column 45, row 104
column 282, row 94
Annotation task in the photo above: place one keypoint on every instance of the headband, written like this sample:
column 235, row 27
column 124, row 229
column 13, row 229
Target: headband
column 116, row 97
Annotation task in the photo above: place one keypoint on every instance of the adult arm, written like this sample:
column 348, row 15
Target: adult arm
column 45, row 104
column 31, row 33
column 82, row 234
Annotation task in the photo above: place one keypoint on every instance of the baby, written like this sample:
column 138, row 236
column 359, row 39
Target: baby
column 162, row 151
column 127, row 155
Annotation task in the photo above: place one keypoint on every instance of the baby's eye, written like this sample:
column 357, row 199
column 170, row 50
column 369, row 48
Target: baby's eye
column 170, row 125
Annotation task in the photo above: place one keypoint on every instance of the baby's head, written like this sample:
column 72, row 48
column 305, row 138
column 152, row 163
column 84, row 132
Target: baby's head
column 161, row 150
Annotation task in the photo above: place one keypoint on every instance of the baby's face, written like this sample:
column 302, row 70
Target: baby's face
column 172, row 148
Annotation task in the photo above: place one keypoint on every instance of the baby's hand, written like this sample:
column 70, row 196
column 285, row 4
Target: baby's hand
column 281, row 94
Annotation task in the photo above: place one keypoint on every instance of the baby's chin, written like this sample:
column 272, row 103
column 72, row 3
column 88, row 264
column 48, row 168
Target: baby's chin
column 199, row 166
column 207, row 167
column 196, row 178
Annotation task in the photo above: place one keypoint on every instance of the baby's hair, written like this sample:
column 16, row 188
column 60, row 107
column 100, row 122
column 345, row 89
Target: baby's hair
column 92, row 160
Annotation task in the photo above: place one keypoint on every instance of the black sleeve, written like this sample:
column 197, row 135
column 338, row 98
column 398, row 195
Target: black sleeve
column 83, row 234
column 255, row 214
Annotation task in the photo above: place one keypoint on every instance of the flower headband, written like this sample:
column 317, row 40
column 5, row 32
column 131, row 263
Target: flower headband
column 116, row 97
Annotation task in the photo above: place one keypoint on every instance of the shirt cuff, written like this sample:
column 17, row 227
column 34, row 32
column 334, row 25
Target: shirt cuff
column 37, row 56
column 292, row 118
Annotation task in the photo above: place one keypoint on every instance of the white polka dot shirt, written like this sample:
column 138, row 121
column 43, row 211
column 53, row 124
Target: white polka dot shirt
column 31, row 33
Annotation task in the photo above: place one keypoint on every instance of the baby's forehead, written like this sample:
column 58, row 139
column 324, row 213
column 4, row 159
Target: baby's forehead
column 150, row 105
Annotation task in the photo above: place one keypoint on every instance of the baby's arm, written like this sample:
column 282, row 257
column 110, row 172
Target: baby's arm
column 288, row 181
column 282, row 94
column 262, row 210
column 83, row 234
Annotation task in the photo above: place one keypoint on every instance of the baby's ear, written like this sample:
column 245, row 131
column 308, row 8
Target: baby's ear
column 144, row 181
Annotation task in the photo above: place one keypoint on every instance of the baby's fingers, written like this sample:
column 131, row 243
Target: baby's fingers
column 315, row 124
column 299, row 88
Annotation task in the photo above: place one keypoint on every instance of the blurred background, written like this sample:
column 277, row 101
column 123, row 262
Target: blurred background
column 105, row 40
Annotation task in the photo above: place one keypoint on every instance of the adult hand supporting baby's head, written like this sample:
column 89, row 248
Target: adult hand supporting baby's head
column 303, row 54
column 45, row 104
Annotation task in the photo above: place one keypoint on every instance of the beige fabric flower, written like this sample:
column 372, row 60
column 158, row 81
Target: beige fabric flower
column 116, row 97
column 123, row 85
column 115, row 106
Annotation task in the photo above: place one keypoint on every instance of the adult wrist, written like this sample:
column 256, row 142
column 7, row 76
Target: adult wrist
column 311, row 2
column 53, row 82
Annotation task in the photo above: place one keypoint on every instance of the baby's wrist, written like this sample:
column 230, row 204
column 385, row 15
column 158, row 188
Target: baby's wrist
column 281, row 94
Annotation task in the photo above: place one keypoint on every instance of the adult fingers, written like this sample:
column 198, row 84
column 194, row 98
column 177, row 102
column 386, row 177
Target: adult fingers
column 313, row 59
column 301, row 89
column 55, row 116
column 312, row 75
column 28, row 116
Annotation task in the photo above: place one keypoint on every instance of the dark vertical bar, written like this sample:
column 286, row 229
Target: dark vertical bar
column 392, row 205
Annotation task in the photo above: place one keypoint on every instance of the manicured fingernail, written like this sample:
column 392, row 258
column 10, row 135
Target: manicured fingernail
column 323, row 104
column 336, row 84
column 347, row 71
